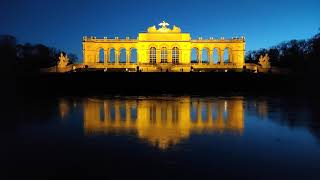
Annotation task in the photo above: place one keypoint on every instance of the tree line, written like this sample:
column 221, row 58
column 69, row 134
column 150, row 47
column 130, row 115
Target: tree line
column 300, row 56
column 28, row 57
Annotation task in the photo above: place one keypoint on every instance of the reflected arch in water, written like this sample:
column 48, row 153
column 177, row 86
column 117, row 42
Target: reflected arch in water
column 163, row 122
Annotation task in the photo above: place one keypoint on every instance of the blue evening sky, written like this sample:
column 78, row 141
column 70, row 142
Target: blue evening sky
column 62, row 23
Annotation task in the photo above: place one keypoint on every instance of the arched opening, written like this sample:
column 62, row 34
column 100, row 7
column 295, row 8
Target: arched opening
column 226, row 56
column 133, row 110
column 133, row 55
column 101, row 55
column 194, row 55
column 175, row 55
column 112, row 110
column 205, row 55
column 123, row 55
column 153, row 55
column 112, row 55
column 193, row 112
column 215, row 56
column 123, row 112
column 164, row 55
column 204, row 112
column 214, row 112
column 101, row 112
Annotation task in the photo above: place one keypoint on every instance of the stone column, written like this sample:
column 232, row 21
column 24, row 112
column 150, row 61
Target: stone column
column 210, row 58
column 116, row 56
column 180, row 57
column 220, row 120
column 106, row 57
column 169, row 113
column 190, row 55
column 106, row 111
column 230, row 56
column 158, row 55
column 209, row 110
column 117, row 112
column 128, row 56
column 146, row 58
column 221, row 56
column 128, row 113
column 119, row 56
column 158, row 115
column 96, row 56
column 199, row 57
column 109, row 56
column 169, row 55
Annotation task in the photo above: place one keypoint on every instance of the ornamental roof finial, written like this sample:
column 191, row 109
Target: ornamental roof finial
column 164, row 24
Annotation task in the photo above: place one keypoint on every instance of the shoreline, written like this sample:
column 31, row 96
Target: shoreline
column 112, row 83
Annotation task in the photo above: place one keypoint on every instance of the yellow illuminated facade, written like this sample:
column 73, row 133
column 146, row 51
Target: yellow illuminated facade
column 163, row 49
column 163, row 122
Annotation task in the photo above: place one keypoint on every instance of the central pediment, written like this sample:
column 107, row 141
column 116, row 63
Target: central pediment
column 164, row 28
column 164, row 33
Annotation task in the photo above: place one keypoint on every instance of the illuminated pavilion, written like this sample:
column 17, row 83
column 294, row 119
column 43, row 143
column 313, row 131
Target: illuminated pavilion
column 163, row 50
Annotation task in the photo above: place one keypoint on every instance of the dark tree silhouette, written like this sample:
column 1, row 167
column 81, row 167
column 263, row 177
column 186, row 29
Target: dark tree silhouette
column 7, row 53
column 73, row 58
column 27, row 58
column 301, row 56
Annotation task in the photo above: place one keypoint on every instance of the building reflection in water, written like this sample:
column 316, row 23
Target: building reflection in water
column 64, row 108
column 163, row 122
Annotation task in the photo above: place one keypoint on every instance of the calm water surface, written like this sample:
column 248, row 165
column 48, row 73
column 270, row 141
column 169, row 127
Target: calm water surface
column 162, row 138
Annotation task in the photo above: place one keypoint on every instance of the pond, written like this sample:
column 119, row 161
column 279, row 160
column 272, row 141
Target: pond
column 161, row 137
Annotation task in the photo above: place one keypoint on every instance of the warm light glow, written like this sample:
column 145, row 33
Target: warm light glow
column 63, row 108
column 163, row 123
column 157, row 46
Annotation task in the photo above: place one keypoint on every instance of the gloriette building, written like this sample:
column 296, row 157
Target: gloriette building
column 164, row 50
